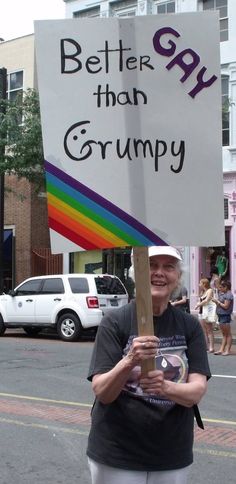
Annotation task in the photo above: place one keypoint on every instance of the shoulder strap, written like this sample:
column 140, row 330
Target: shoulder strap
column 198, row 417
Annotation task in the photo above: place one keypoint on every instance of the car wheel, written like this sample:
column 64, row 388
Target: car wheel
column 69, row 327
column 32, row 331
column 2, row 326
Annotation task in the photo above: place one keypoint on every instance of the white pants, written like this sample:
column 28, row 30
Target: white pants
column 102, row 474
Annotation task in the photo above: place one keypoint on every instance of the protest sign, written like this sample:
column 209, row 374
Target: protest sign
column 131, row 118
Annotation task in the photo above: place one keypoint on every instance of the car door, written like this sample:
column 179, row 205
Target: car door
column 21, row 306
column 51, row 295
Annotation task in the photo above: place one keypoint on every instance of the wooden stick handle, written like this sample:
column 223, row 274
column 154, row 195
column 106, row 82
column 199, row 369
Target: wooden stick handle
column 143, row 299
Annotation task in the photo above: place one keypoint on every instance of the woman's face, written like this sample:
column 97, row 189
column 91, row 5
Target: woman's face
column 165, row 275
column 222, row 288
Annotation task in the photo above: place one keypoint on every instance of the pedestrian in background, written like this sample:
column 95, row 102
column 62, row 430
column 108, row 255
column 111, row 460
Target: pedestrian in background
column 224, row 308
column 214, row 284
column 201, row 298
column 142, row 425
column 180, row 300
column 208, row 311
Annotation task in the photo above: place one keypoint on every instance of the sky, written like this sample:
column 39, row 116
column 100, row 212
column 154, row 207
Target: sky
column 17, row 16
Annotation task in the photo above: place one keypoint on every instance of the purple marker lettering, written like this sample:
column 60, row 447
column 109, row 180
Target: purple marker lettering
column 202, row 84
column 188, row 68
column 157, row 45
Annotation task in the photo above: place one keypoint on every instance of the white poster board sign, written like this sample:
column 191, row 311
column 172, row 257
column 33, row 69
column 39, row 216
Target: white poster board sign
column 131, row 118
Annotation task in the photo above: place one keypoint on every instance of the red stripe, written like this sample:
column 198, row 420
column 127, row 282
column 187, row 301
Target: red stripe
column 69, row 234
column 77, row 227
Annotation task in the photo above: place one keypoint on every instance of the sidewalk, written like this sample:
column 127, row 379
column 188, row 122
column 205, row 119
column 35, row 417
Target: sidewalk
column 218, row 336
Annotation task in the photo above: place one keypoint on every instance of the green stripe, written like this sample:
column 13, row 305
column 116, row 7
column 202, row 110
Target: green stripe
column 91, row 215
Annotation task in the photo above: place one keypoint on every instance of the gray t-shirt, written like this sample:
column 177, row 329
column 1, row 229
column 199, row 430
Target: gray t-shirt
column 225, row 296
column 178, row 295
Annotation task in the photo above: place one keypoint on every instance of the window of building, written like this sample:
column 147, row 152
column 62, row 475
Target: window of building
column 15, row 91
column 167, row 6
column 225, row 110
column 222, row 7
column 89, row 12
column 15, row 85
column 124, row 8
column 226, row 208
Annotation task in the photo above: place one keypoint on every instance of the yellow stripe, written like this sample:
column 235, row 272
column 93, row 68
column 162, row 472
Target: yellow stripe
column 48, row 400
column 87, row 222
column 213, row 420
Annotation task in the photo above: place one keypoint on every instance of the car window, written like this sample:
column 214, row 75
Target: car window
column 29, row 287
column 53, row 286
column 79, row 285
column 109, row 285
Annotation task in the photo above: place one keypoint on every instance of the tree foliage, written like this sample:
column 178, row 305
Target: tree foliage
column 21, row 147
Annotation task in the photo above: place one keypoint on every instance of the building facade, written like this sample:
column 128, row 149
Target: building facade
column 26, row 235
column 198, row 261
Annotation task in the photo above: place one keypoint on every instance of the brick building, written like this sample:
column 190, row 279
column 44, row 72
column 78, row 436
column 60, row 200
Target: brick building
column 26, row 235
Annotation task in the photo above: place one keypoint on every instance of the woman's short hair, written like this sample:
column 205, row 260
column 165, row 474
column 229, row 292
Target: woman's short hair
column 226, row 284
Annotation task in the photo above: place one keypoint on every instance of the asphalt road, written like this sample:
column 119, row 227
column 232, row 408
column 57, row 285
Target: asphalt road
column 45, row 403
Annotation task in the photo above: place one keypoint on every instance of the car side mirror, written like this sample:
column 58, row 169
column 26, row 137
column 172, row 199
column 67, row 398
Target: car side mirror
column 12, row 293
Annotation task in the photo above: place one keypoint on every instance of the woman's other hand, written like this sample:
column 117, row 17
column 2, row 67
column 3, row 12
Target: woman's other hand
column 153, row 382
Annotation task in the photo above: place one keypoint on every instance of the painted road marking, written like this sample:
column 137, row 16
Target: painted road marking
column 224, row 376
column 46, row 400
column 218, row 420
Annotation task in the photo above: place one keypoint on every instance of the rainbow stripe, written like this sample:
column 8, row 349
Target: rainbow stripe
column 87, row 219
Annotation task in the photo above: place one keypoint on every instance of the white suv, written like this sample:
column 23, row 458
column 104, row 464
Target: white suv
column 67, row 302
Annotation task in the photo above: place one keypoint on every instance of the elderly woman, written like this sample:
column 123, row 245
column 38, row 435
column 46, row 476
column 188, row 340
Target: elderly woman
column 142, row 425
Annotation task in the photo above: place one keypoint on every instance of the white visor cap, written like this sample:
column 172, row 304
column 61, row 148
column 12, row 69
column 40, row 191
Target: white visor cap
column 164, row 250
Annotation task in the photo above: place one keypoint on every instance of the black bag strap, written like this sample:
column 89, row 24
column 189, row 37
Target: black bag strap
column 198, row 417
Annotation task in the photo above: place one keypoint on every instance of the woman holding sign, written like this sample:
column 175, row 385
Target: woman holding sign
column 142, row 425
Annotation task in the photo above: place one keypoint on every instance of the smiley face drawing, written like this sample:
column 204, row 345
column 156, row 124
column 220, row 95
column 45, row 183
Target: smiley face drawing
column 73, row 145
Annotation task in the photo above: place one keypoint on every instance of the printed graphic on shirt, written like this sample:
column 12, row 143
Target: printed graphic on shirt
column 171, row 359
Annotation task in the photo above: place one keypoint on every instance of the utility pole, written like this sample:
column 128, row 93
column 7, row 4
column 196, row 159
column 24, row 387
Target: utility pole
column 3, row 95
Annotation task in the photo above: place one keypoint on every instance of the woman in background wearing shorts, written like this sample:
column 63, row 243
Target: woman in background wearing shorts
column 224, row 309
column 208, row 311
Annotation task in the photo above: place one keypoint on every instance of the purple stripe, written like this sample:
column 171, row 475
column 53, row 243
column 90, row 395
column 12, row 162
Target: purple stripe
column 118, row 212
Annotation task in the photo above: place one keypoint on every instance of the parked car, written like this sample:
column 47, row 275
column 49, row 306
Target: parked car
column 70, row 303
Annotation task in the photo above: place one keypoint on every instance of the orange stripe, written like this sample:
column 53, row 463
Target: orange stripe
column 76, row 227
column 70, row 235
